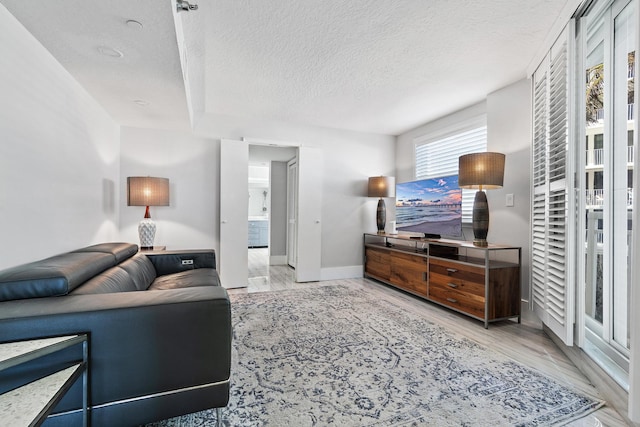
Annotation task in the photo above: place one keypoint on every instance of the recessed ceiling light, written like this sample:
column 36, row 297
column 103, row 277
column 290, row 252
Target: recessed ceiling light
column 109, row 51
column 140, row 102
column 132, row 23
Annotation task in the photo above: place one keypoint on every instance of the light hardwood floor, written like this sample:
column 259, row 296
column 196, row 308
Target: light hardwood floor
column 525, row 342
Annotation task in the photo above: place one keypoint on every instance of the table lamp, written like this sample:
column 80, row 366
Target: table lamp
column 382, row 186
column 147, row 191
column 483, row 171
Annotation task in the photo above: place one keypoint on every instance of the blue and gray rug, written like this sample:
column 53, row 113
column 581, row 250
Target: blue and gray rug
column 335, row 356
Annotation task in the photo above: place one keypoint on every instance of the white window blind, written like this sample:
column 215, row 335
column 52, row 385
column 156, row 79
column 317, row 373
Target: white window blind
column 551, row 266
column 439, row 157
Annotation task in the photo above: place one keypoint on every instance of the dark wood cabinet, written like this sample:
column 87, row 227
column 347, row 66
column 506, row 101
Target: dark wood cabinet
column 410, row 272
column 378, row 264
column 482, row 282
column 398, row 268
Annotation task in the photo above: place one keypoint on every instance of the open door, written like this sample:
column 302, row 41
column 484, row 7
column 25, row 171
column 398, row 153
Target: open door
column 292, row 209
column 309, row 226
column 234, row 208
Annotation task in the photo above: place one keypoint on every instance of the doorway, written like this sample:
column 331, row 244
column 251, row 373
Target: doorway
column 268, row 207
column 234, row 163
column 258, row 218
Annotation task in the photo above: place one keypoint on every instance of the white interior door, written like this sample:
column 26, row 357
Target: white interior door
column 309, row 227
column 234, row 208
column 292, row 208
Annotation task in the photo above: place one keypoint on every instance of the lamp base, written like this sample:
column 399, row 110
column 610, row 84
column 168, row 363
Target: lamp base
column 147, row 233
column 480, row 242
column 381, row 216
column 480, row 219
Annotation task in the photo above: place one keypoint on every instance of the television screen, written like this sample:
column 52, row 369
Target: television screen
column 430, row 206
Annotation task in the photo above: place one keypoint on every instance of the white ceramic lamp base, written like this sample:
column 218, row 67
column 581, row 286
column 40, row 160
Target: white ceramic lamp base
column 147, row 233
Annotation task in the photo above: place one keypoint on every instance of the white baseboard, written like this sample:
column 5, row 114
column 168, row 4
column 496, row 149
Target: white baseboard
column 336, row 273
column 278, row 260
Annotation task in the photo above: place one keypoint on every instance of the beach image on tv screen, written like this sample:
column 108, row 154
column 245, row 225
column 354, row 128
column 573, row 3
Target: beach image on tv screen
column 431, row 206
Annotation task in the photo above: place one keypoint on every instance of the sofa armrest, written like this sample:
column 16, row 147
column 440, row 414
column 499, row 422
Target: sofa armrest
column 140, row 343
column 170, row 262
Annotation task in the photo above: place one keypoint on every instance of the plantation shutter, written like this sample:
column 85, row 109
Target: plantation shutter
column 551, row 266
column 439, row 157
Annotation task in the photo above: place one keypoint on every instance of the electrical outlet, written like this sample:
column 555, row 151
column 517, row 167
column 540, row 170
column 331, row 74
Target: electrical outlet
column 509, row 201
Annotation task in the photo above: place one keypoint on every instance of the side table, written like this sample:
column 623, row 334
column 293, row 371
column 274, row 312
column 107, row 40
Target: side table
column 29, row 404
column 153, row 249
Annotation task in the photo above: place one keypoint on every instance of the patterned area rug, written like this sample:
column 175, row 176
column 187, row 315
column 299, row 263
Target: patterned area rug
column 336, row 356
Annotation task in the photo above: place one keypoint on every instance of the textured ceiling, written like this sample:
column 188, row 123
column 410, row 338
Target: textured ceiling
column 365, row 65
column 376, row 66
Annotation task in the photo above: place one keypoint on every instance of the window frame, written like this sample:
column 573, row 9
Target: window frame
column 441, row 136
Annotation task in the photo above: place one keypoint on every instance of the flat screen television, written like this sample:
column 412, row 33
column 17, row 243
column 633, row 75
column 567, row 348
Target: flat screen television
column 432, row 207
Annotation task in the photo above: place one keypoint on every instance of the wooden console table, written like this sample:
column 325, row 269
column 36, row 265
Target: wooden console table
column 481, row 282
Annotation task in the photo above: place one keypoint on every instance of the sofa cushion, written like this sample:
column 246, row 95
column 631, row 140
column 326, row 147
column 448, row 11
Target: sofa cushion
column 111, row 281
column 53, row 276
column 187, row 279
column 120, row 251
column 141, row 271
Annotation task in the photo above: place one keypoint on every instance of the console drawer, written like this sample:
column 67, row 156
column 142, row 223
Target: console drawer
column 453, row 283
column 454, row 270
column 463, row 301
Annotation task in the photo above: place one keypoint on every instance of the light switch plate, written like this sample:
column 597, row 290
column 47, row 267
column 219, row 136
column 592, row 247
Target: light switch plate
column 509, row 201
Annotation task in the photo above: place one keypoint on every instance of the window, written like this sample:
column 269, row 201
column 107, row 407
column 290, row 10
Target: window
column 437, row 157
column 599, row 141
column 581, row 263
column 608, row 34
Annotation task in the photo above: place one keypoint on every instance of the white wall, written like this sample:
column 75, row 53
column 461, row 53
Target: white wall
column 508, row 113
column 59, row 155
column 259, row 201
column 509, row 131
column 192, row 166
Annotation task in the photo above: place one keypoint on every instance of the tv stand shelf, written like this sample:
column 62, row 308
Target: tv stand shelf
column 481, row 282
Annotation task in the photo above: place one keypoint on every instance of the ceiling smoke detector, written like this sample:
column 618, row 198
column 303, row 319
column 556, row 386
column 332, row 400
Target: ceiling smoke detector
column 185, row 5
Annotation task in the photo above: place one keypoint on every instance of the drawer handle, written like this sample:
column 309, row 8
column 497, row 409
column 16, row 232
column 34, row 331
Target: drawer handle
column 452, row 285
column 452, row 300
column 451, row 270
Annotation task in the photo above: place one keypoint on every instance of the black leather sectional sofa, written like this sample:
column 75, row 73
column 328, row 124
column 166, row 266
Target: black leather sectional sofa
column 159, row 328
